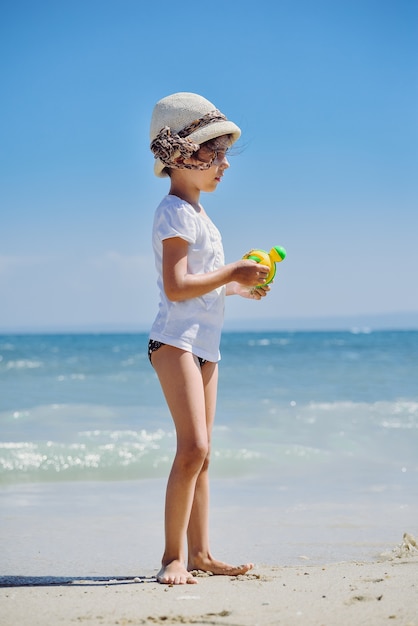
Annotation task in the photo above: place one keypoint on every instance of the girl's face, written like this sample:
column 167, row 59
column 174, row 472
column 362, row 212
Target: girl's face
column 213, row 152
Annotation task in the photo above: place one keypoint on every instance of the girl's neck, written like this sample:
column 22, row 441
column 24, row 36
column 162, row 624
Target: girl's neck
column 192, row 196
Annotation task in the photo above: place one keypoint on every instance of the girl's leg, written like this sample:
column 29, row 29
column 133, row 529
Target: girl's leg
column 181, row 381
column 198, row 530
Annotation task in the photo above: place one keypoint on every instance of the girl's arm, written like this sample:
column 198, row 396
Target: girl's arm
column 180, row 285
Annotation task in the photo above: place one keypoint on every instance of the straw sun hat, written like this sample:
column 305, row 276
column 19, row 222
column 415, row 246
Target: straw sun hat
column 182, row 121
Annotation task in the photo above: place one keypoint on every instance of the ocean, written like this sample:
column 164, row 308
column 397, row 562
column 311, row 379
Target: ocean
column 89, row 407
column 305, row 421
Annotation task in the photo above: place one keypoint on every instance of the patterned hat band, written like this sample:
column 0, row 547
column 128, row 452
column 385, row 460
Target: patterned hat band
column 169, row 147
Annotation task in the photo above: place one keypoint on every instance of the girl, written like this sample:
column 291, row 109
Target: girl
column 190, row 139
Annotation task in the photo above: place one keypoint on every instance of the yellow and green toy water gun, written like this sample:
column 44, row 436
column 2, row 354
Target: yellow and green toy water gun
column 276, row 255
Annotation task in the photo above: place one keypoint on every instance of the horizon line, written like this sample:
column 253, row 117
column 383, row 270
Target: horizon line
column 361, row 323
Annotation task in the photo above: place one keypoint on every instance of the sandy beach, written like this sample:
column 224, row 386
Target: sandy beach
column 88, row 554
column 347, row 594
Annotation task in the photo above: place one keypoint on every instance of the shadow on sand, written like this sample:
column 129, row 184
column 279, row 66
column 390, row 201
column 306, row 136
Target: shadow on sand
column 74, row 581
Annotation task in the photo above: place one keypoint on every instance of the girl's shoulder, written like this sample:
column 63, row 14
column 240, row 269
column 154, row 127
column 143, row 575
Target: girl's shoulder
column 173, row 201
column 174, row 204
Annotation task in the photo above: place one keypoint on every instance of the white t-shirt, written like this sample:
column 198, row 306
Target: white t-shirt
column 193, row 325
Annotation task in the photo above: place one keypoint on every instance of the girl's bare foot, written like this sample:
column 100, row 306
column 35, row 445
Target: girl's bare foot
column 175, row 573
column 218, row 568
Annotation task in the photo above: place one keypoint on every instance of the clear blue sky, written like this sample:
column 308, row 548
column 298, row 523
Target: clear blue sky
column 326, row 94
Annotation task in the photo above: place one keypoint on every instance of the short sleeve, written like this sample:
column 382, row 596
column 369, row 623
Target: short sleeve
column 177, row 220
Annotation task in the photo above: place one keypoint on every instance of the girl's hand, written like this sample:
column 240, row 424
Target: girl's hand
column 253, row 293
column 250, row 273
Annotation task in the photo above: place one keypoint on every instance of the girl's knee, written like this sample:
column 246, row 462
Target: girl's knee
column 192, row 459
column 206, row 462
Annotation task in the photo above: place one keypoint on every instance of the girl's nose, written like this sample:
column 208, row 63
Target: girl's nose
column 221, row 160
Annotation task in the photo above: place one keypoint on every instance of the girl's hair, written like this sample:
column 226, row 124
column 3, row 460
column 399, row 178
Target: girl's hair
column 216, row 144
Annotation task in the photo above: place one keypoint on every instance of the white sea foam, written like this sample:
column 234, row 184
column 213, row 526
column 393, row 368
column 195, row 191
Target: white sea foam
column 23, row 364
